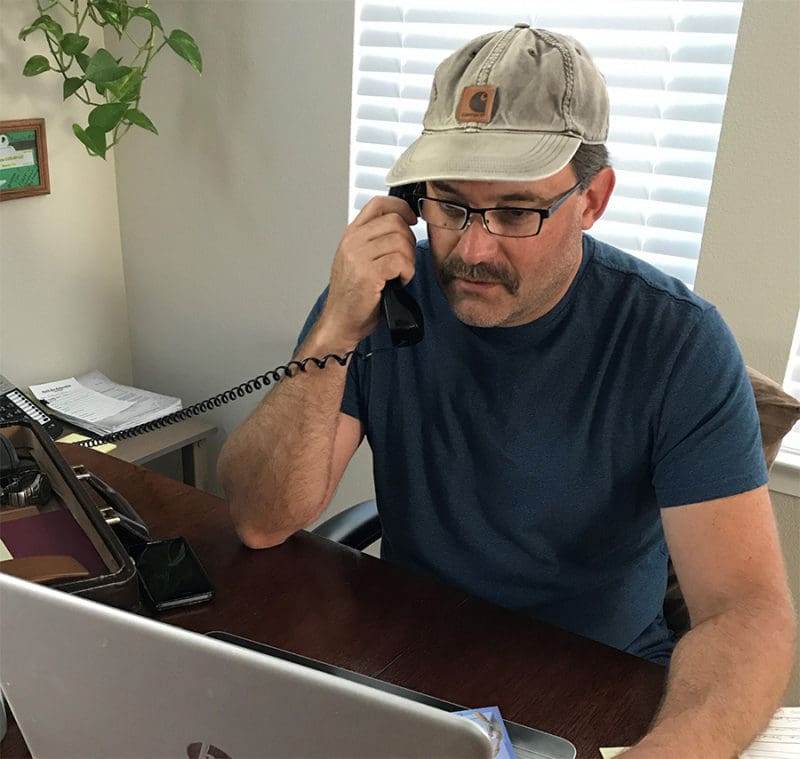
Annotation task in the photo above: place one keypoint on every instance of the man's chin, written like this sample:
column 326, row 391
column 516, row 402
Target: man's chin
column 477, row 314
column 478, row 307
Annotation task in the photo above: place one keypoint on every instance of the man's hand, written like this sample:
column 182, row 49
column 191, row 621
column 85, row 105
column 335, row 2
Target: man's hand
column 378, row 246
column 729, row 672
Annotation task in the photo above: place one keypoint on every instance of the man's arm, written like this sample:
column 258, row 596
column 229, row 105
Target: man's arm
column 729, row 672
column 279, row 470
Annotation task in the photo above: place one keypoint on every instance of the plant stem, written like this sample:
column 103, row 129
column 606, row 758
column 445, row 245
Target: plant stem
column 83, row 17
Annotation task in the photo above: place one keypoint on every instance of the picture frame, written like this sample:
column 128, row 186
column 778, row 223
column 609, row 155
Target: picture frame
column 23, row 159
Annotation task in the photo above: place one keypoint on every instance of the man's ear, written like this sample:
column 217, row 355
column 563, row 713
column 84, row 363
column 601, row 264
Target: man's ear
column 597, row 195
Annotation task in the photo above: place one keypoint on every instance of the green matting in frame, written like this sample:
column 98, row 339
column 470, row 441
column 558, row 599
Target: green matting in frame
column 23, row 159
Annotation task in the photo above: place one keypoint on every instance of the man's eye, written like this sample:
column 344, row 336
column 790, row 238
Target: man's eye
column 512, row 215
column 454, row 212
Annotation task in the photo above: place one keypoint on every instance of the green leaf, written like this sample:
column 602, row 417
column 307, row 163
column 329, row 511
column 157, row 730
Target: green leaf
column 127, row 88
column 72, row 85
column 27, row 30
column 135, row 116
column 149, row 14
column 46, row 24
column 93, row 138
column 110, row 13
column 185, row 46
column 72, row 43
column 38, row 64
column 107, row 116
column 83, row 61
column 103, row 68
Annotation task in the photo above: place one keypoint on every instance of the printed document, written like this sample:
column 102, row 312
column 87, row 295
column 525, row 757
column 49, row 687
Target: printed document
column 95, row 403
column 781, row 739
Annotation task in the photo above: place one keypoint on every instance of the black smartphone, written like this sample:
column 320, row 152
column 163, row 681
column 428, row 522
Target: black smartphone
column 171, row 575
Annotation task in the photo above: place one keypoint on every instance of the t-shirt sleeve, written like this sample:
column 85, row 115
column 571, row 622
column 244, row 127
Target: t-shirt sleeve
column 708, row 441
column 311, row 320
column 351, row 401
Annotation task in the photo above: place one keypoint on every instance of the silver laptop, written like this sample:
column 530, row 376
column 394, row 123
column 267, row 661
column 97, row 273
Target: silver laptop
column 84, row 679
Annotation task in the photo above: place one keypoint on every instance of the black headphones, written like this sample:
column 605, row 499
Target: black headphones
column 21, row 481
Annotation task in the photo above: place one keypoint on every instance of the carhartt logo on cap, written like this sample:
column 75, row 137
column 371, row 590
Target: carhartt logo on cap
column 476, row 104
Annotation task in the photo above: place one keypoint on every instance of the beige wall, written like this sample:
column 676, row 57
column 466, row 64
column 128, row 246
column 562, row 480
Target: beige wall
column 62, row 294
column 750, row 257
column 230, row 218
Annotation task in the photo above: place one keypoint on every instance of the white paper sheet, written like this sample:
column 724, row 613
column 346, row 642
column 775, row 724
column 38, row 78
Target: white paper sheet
column 73, row 399
column 142, row 407
column 781, row 739
column 94, row 402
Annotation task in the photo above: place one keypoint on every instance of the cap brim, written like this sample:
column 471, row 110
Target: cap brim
column 482, row 156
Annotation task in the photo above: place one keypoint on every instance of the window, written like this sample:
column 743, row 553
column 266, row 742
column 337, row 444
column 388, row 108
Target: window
column 791, row 384
column 667, row 64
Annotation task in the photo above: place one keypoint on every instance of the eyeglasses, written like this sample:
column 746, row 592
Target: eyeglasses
column 502, row 221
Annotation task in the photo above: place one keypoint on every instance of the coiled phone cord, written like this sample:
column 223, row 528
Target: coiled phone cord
column 239, row 391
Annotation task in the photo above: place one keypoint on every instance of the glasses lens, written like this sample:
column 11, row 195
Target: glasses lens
column 513, row 222
column 442, row 214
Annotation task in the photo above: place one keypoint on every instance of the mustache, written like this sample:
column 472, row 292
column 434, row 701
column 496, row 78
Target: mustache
column 455, row 268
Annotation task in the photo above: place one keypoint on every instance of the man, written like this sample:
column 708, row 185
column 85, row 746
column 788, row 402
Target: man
column 571, row 415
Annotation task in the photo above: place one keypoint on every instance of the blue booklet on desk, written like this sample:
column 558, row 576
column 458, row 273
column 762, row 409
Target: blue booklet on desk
column 489, row 720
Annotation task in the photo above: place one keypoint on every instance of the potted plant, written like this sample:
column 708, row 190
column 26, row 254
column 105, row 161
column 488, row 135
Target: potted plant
column 111, row 86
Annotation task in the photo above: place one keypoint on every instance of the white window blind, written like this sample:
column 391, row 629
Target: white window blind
column 667, row 64
column 792, row 385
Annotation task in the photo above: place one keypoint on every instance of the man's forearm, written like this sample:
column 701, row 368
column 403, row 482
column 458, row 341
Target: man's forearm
column 726, row 679
column 276, row 467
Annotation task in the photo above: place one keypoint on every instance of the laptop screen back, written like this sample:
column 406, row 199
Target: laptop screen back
column 83, row 679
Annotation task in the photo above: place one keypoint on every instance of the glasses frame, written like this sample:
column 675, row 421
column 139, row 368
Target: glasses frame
column 543, row 213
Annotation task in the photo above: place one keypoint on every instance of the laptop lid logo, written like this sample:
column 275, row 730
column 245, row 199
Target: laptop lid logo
column 203, row 750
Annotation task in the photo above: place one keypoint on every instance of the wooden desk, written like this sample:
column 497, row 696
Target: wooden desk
column 325, row 601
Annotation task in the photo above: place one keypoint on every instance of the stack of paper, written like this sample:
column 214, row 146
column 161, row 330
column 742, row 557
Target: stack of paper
column 781, row 739
column 95, row 403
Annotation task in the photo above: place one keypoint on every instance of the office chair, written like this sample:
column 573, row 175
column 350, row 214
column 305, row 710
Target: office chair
column 359, row 526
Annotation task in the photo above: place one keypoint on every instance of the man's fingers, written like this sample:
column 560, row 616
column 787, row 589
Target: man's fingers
column 384, row 226
column 381, row 205
column 376, row 247
column 363, row 251
column 395, row 265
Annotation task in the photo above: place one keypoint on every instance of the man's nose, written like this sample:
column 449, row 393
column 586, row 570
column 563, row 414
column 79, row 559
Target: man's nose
column 476, row 244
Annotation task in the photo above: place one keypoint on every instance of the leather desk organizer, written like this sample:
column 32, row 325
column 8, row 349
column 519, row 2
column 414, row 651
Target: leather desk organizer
column 64, row 542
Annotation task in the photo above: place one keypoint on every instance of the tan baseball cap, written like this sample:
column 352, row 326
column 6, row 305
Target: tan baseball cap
column 512, row 106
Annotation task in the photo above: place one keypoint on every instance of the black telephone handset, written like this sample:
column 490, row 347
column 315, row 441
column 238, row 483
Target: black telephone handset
column 403, row 314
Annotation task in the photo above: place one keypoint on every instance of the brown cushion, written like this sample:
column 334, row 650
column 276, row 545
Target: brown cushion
column 777, row 412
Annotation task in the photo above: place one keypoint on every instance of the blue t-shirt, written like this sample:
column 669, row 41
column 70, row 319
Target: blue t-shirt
column 527, row 465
